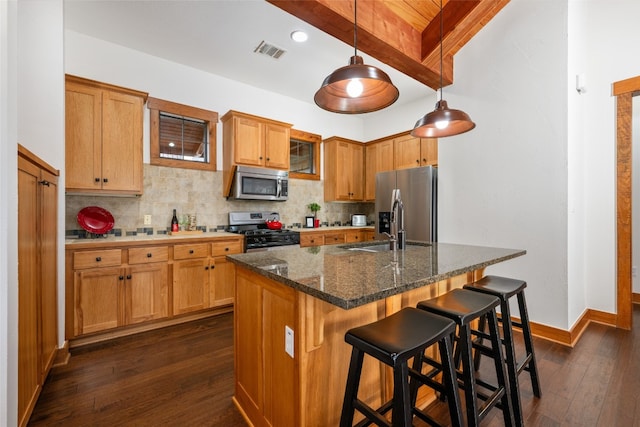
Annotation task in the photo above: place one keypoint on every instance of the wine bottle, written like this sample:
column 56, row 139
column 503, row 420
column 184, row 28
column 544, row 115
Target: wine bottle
column 174, row 222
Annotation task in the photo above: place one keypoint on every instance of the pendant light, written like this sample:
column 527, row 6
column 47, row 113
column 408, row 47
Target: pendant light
column 356, row 88
column 442, row 121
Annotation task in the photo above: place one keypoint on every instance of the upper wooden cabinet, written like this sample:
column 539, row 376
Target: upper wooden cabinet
column 253, row 141
column 412, row 152
column 343, row 170
column 378, row 158
column 103, row 138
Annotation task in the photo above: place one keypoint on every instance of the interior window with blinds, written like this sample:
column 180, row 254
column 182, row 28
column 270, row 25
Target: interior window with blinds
column 304, row 155
column 182, row 136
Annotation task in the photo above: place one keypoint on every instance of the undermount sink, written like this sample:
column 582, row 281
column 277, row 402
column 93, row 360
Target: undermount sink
column 382, row 247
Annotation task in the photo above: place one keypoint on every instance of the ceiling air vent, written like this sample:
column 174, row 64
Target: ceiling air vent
column 268, row 49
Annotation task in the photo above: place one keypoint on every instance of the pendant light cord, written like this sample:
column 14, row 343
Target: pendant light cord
column 441, row 31
column 355, row 27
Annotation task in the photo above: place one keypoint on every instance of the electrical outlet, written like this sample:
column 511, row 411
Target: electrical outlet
column 288, row 340
column 147, row 220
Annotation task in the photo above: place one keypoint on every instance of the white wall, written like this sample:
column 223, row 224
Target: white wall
column 41, row 101
column 8, row 215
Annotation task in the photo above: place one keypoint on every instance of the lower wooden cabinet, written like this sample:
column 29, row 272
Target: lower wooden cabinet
column 335, row 237
column 37, row 277
column 111, row 288
column 191, row 285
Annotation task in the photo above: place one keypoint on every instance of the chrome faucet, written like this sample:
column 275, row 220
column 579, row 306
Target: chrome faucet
column 397, row 239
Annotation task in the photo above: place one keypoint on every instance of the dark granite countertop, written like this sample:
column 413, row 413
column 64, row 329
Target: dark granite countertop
column 348, row 276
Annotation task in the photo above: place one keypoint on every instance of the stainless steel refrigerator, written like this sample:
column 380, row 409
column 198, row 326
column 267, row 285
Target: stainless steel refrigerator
column 419, row 193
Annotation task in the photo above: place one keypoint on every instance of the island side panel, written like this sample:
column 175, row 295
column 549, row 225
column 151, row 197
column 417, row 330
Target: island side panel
column 325, row 356
column 265, row 373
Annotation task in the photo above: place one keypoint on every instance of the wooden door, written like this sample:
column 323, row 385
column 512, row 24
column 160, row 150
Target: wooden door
column 223, row 282
column 48, row 212
column 122, row 142
column 406, row 152
column 190, row 285
column 248, row 141
column 146, row 292
column 28, row 278
column 83, row 137
column 97, row 299
column 276, row 140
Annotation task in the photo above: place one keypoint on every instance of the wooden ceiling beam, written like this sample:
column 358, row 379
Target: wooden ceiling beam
column 390, row 38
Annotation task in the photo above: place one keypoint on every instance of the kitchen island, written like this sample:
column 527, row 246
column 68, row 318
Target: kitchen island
column 293, row 307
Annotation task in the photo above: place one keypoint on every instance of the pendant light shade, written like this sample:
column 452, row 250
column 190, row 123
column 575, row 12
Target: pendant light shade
column 356, row 88
column 442, row 121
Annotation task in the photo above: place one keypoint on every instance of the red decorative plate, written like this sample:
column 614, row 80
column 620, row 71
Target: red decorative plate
column 95, row 219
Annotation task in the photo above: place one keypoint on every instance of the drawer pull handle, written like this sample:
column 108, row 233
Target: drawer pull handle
column 98, row 259
column 226, row 249
column 149, row 255
column 190, row 251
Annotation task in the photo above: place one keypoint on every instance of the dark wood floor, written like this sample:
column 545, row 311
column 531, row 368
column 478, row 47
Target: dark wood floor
column 183, row 376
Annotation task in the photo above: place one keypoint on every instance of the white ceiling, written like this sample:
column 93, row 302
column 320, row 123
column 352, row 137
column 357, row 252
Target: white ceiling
column 220, row 36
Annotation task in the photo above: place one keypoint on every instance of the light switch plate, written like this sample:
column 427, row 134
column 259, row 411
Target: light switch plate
column 288, row 340
column 147, row 220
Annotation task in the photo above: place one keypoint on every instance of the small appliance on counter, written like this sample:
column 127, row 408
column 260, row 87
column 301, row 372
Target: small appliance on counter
column 262, row 231
column 358, row 220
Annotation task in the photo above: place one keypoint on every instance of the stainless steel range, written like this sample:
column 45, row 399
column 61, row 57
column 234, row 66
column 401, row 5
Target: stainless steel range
column 257, row 236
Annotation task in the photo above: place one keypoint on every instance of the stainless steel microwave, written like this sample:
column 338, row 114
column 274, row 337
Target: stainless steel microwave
column 252, row 183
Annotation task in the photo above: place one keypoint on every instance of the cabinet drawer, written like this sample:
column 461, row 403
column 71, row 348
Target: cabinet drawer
column 333, row 238
column 102, row 258
column 150, row 254
column 196, row 250
column 311, row 240
column 226, row 247
column 354, row 236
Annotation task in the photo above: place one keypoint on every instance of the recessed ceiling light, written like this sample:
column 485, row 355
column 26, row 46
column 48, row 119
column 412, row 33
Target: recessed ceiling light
column 299, row 36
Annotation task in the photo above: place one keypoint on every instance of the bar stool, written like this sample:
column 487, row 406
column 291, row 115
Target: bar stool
column 505, row 288
column 393, row 341
column 463, row 307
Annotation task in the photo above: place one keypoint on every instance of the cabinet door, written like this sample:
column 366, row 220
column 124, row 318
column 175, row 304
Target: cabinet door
column 356, row 184
column 406, row 152
column 344, row 175
column 83, row 137
column 190, row 285
column 248, row 141
column 28, row 345
column 379, row 158
column 97, row 300
column 277, row 146
column 146, row 292
column 223, row 282
column 428, row 151
column 122, row 142
column 49, row 270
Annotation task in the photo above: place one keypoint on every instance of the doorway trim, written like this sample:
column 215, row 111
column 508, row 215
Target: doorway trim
column 624, row 91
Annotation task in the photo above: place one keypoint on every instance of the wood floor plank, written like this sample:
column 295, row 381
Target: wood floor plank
column 183, row 376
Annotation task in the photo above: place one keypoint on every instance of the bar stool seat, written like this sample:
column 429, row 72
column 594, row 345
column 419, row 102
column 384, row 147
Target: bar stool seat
column 393, row 341
column 463, row 307
column 505, row 288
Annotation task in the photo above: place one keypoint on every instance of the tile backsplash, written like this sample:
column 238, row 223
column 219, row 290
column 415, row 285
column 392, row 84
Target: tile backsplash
column 200, row 192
